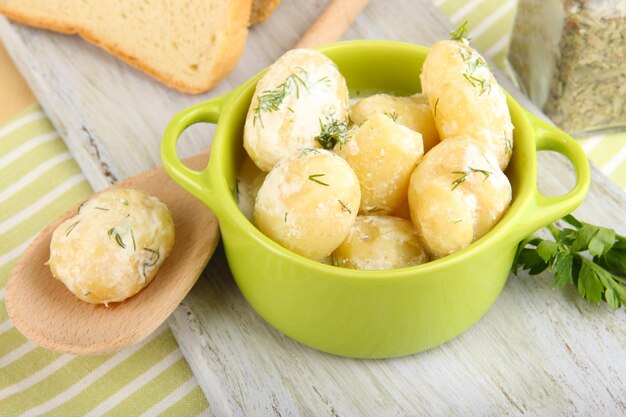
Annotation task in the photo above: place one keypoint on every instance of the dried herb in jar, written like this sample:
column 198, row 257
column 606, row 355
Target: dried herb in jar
column 570, row 56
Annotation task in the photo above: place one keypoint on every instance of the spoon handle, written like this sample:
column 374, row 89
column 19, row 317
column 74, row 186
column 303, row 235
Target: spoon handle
column 332, row 23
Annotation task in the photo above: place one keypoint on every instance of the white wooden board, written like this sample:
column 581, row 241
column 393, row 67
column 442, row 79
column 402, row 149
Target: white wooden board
column 537, row 352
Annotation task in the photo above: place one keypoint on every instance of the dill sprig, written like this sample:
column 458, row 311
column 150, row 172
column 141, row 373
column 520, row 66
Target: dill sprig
column 155, row 255
column 314, row 178
column 118, row 238
column 345, row 207
column 460, row 34
column 70, row 228
column 466, row 173
column 270, row 100
column 332, row 132
column 393, row 115
column 474, row 62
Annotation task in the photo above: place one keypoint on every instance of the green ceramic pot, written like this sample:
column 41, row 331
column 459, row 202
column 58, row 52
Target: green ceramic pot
column 370, row 314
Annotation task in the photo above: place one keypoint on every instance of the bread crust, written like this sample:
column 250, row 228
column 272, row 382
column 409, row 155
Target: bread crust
column 262, row 9
column 229, row 45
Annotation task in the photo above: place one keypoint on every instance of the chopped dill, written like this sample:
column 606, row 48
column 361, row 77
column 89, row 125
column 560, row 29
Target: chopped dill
column 332, row 132
column 132, row 235
column 285, row 218
column 460, row 34
column 466, row 173
column 393, row 115
column 474, row 62
column 118, row 237
column 308, row 151
column 436, row 104
column 155, row 255
column 71, row 227
column 101, row 208
column 270, row 100
column 375, row 209
column 344, row 207
column 508, row 144
column 314, row 178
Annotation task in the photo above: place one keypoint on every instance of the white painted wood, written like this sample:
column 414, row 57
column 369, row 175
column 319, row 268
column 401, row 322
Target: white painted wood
column 537, row 352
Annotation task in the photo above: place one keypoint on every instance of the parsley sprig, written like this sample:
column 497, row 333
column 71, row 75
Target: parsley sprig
column 592, row 258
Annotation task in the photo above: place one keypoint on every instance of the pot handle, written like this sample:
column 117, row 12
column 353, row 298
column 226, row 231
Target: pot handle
column 548, row 209
column 196, row 182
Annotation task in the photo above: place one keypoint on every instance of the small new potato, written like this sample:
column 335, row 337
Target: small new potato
column 383, row 154
column 300, row 92
column 308, row 202
column 412, row 112
column 113, row 247
column 466, row 99
column 249, row 182
column 457, row 194
column 380, row 242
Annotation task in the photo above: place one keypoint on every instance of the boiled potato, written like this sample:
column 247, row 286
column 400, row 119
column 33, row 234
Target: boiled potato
column 412, row 112
column 308, row 202
column 299, row 94
column 456, row 194
column 380, row 242
column 249, row 182
column 466, row 99
column 113, row 247
column 383, row 154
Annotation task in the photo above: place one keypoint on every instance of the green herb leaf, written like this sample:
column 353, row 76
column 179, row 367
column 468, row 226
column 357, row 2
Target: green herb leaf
column 547, row 249
column 460, row 34
column 592, row 258
column 602, row 241
column 270, row 100
column 314, row 178
column 70, row 228
column 466, row 173
column 332, row 132
column 563, row 271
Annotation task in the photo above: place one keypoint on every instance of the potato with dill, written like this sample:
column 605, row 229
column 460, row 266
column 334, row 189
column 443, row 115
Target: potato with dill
column 380, row 242
column 308, row 202
column 300, row 96
column 457, row 194
column 383, row 154
column 113, row 247
column 465, row 98
column 412, row 112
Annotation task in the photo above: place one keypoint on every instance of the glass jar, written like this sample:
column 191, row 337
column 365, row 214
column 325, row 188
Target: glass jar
column 570, row 59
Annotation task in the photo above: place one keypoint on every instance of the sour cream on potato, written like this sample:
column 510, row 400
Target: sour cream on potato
column 412, row 112
column 457, row 193
column 383, row 154
column 299, row 94
column 113, row 247
column 380, row 242
column 308, row 202
column 466, row 99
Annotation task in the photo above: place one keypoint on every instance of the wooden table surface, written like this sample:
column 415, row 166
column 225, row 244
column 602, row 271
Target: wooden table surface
column 538, row 351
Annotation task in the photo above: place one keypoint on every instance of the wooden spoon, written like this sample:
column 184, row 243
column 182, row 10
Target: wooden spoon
column 47, row 313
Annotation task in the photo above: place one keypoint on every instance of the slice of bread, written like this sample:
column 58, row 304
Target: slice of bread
column 262, row 9
column 188, row 45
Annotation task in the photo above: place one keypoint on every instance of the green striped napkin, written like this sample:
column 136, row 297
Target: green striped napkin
column 39, row 181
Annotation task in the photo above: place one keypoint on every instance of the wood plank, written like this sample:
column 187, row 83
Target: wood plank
column 537, row 351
